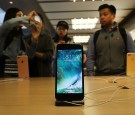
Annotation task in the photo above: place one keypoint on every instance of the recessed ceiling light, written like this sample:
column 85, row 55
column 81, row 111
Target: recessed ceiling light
column 81, row 39
column 11, row 2
column 88, row 23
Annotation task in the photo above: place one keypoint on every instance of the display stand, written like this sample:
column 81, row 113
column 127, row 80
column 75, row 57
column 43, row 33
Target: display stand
column 69, row 103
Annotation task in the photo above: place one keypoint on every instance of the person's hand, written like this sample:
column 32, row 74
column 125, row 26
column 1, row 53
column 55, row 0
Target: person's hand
column 31, row 15
column 61, row 42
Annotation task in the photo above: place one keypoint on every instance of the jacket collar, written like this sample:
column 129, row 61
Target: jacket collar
column 114, row 27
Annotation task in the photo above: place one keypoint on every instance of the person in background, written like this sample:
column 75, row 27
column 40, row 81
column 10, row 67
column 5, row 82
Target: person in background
column 12, row 43
column 61, row 36
column 41, row 64
column 108, row 54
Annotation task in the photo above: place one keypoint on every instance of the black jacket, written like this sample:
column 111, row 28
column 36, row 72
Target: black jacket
column 66, row 39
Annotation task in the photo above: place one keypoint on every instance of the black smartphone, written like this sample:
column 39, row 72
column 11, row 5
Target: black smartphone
column 69, row 78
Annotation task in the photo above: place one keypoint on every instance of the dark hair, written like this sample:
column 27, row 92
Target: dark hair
column 110, row 7
column 11, row 13
column 63, row 24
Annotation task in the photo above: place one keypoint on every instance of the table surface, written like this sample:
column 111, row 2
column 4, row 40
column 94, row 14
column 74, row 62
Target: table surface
column 35, row 96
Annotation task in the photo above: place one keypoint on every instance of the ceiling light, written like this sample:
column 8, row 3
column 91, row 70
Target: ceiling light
column 81, row 39
column 11, row 2
column 88, row 23
column 83, row 0
column 74, row 0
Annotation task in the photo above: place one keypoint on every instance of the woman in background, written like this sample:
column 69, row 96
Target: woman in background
column 41, row 64
column 12, row 41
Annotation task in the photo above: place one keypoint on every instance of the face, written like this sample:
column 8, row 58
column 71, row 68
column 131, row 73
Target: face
column 38, row 23
column 19, row 14
column 61, row 31
column 106, row 17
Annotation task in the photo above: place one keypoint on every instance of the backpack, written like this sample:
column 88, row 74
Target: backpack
column 122, row 32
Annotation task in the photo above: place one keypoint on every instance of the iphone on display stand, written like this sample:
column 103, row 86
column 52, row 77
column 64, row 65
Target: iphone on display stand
column 69, row 79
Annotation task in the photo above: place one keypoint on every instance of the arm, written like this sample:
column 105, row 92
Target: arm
column 14, row 22
column 31, row 45
column 90, row 58
column 130, row 43
column 46, row 52
column 10, row 24
column 46, row 55
column 7, row 27
column 35, row 49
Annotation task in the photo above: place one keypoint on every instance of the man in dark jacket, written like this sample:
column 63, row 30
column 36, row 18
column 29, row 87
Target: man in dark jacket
column 108, row 54
column 61, row 36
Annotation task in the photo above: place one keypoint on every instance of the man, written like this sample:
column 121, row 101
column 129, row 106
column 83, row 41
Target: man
column 61, row 36
column 108, row 52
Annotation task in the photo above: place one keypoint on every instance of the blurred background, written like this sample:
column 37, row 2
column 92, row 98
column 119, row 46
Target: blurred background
column 81, row 15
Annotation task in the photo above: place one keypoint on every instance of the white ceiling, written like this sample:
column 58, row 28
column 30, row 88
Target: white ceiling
column 66, row 10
